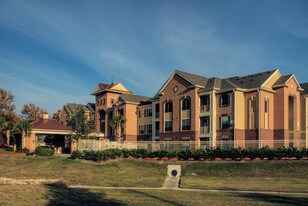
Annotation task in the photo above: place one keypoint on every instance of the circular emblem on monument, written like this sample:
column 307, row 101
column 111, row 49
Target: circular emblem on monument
column 176, row 88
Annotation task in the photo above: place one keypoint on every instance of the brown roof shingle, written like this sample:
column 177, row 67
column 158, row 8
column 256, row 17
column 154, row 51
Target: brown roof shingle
column 48, row 124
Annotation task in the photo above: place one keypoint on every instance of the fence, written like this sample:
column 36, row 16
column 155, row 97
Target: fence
column 87, row 144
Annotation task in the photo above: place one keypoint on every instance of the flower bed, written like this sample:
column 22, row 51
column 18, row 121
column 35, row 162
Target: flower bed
column 218, row 154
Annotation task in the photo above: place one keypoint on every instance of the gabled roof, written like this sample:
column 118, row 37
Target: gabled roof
column 102, row 87
column 304, row 86
column 218, row 84
column 251, row 81
column 131, row 98
column 72, row 108
column 194, row 79
column 91, row 107
column 283, row 80
column 48, row 124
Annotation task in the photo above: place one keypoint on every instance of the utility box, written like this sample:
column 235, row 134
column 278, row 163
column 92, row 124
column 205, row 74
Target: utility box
column 174, row 170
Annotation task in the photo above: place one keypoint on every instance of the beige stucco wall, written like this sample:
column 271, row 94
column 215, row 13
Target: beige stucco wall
column 240, row 111
column 130, row 129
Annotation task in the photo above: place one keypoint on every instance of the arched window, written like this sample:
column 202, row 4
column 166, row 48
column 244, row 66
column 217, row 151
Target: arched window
column 168, row 116
column 185, row 114
column 266, row 114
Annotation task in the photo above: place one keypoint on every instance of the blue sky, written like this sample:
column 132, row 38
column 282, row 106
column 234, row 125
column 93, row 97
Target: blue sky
column 55, row 52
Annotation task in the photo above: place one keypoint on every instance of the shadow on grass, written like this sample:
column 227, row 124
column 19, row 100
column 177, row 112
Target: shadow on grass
column 157, row 198
column 60, row 194
column 276, row 199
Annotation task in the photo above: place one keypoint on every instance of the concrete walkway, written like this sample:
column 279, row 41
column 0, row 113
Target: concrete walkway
column 172, row 183
column 189, row 190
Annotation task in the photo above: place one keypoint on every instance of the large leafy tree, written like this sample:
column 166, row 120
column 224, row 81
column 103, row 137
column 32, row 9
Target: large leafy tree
column 80, row 125
column 31, row 112
column 117, row 123
column 8, row 116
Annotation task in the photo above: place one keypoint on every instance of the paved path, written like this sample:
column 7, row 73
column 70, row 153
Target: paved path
column 189, row 190
column 172, row 183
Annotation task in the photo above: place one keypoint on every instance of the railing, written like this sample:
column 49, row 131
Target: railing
column 177, row 145
column 156, row 133
column 204, row 108
column 205, row 130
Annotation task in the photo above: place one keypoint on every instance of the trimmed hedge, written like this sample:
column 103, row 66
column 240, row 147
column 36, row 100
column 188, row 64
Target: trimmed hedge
column 44, row 151
column 195, row 154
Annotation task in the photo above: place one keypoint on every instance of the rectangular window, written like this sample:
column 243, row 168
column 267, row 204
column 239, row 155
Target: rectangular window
column 205, row 103
column 168, row 126
column 156, row 110
column 141, row 129
column 225, row 100
column 205, row 125
column 156, row 128
column 225, row 122
column 148, row 113
column 252, row 116
column 185, row 124
column 149, row 128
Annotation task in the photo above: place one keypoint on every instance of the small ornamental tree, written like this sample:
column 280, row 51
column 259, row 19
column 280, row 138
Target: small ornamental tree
column 80, row 125
column 24, row 127
column 117, row 124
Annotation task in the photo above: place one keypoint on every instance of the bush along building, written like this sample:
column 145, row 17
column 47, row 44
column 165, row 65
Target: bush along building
column 250, row 111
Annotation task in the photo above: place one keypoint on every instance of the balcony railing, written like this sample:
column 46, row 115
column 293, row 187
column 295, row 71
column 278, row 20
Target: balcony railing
column 204, row 108
column 205, row 130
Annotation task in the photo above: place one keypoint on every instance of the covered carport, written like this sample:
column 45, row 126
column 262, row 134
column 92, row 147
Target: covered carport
column 47, row 133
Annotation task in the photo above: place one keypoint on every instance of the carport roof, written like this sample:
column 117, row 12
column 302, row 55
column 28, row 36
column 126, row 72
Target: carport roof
column 48, row 124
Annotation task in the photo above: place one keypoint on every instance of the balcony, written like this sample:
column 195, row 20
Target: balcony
column 204, row 108
column 205, row 130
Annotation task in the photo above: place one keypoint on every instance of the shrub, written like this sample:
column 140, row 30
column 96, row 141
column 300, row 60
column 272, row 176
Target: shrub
column 126, row 153
column 76, row 155
column 9, row 149
column 23, row 151
column 44, row 151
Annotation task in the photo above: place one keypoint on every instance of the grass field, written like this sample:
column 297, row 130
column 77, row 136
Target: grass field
column 270, row 176
column 267, row 176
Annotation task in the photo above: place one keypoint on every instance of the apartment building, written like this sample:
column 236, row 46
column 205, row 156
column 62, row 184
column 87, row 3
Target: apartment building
column 63, row 115
column 114, row 100
column 253, row 110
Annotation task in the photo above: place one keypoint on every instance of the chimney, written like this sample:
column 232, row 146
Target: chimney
column 45, row 115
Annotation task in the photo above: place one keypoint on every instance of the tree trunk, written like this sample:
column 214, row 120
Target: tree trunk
column 8, row 136
column 118, row 133
column 14, row 144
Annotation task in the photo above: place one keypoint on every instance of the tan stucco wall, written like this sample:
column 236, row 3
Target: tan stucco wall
column 240, row 111
column 130, row 131
column 30, row 142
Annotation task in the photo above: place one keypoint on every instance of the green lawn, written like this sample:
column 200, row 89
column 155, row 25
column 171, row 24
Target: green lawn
column 268, row 176
column 117, row 173
column 53, row 194
column 291, row 176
